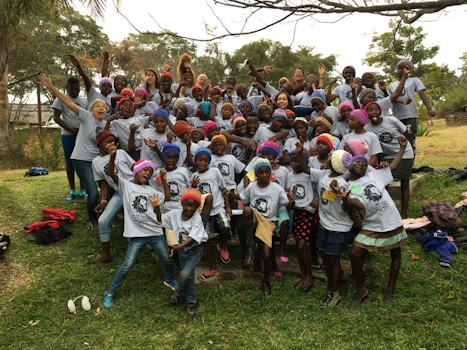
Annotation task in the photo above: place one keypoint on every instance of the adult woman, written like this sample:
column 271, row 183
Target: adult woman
column 91, row 122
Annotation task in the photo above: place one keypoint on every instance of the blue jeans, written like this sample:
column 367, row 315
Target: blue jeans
column 135, row 245
column 188, row 261
column 114, row 206
column 83, row 169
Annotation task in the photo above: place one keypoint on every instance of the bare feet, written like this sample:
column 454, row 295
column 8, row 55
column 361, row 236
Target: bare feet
column 359, row 297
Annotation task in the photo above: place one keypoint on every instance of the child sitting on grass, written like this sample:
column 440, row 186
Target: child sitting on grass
column 189, row 231
column 141, row 224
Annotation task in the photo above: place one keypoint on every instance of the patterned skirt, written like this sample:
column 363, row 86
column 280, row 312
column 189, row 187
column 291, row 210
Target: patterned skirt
column 304, row 224
column 380, row 241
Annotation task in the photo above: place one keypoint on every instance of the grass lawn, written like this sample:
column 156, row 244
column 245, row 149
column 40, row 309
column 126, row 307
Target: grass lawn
column 429, row 311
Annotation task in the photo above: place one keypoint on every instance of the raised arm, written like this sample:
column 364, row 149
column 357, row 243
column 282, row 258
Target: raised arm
column 47, row 82
column 400, row 87
column 75, row 62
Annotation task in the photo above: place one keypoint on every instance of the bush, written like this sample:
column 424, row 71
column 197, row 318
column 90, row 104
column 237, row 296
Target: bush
column 422, row 130
column 25, row 149
column 455, row 100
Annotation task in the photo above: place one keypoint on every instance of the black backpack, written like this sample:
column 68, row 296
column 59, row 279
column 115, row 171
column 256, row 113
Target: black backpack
column 36, row 171
column 4, row 243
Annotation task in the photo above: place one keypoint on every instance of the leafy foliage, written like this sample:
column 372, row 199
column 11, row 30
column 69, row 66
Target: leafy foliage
column 402, row 42
column 43, row 45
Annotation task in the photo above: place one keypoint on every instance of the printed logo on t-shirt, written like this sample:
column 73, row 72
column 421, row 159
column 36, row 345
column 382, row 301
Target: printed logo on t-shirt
column 299, row 191
column 385, row 137
column 236, row 151
column 204, row 187
column 223, row 168
column 349, row 95
column 261, row 205
column 174, row 190
column 139, row 206
column 374, row 202
column 106, row 170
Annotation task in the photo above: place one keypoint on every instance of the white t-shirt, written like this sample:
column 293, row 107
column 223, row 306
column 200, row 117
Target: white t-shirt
column 331, row 215
column 388, row 132
column 140, row 219
column 380, row 213
column 192, row 227
column 148, row 152
column 67, row 115
column 228, row 165
column 85, row 146
column 265, row 201
column 302, row 188
column 212, row 182
column 411, row 86
column 177, row 180
column 371, row 140
column 121, row 129
column 123, row 164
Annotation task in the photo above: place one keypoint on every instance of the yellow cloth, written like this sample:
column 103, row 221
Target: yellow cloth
column 264, row 228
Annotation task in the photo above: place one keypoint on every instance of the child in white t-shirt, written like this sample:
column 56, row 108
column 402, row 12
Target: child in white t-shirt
column 190, row 234
column 141, row 226
column 264, row 198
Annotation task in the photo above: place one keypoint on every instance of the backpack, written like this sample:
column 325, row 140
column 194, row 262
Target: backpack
column 36, row 171
column 4, row 242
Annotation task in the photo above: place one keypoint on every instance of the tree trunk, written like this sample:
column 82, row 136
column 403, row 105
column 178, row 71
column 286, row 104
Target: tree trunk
column 4, row 132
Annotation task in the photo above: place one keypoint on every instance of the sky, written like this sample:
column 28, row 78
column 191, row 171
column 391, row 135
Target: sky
column 347, row 38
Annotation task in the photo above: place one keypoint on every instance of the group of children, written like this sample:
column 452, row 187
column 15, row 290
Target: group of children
column 188, row 163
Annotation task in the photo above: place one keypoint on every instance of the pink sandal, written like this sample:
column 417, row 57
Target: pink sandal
column 284, row 259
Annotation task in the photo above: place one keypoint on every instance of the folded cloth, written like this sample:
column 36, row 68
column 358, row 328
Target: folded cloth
column 413, row 224
column 264, row 228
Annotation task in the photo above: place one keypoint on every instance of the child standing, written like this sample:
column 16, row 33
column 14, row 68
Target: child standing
column 189, row 231
column 382, row 226
column 305, row 217
column 262, row 199
column 141, row 224
column 108, row 207
column 335, row 225
column 210, row 181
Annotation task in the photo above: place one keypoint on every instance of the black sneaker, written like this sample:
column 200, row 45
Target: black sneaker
column 191, row 311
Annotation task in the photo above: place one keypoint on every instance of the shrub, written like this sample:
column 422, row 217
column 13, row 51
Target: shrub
column 422, row 130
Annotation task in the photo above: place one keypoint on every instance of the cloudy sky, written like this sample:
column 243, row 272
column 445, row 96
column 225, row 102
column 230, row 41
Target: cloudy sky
column 347, row 38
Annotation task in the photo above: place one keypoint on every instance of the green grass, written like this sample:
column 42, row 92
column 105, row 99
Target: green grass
column 429, row 311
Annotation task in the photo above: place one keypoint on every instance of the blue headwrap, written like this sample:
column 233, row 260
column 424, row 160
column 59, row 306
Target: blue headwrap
column 170, row 148
column 203, row 151
column 162, row 112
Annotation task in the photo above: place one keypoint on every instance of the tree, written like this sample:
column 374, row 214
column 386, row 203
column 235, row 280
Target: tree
column 402, row 42
column 408, row 11
column 139, row 52
column 283, row 58
column 39, row 45
column 11, row 12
